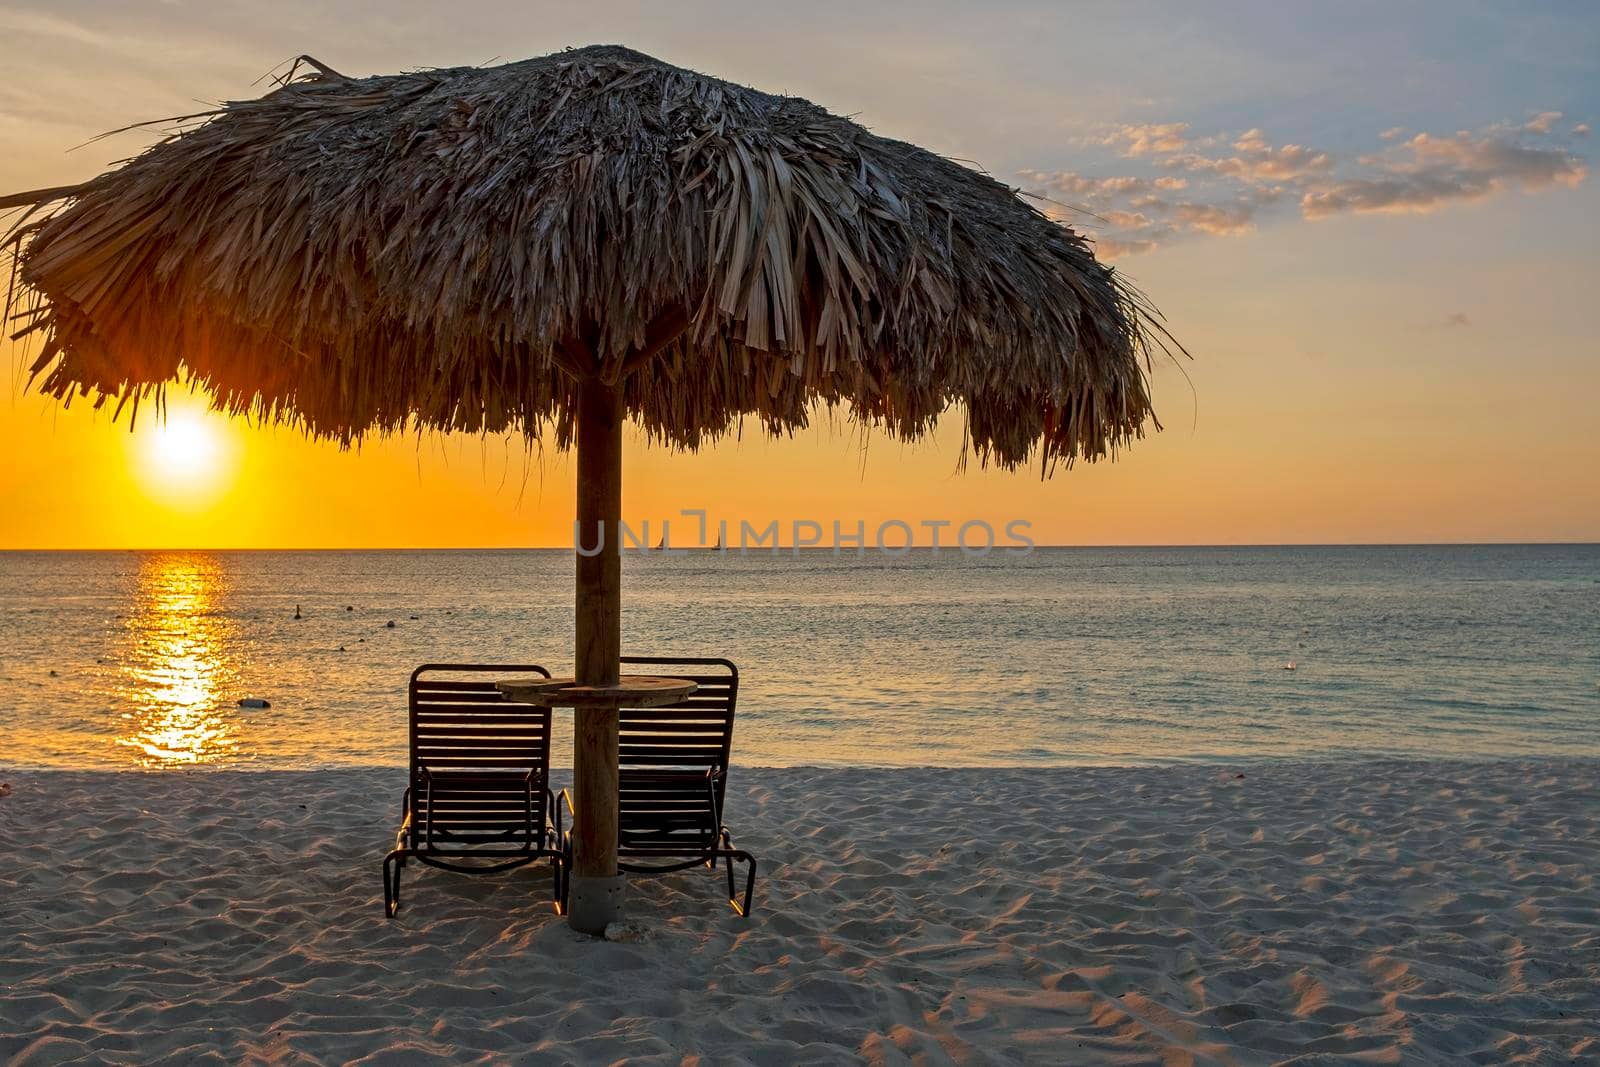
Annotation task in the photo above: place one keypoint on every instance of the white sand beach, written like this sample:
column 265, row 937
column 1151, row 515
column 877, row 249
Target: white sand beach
column 1393, row 912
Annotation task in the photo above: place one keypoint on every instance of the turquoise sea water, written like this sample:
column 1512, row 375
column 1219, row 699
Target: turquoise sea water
column 1064, row 656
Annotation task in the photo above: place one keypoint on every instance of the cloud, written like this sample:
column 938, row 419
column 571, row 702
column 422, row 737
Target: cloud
column 1149, row 139
column 1066, row 183
column 1116, row 248
column 35, row 24
column 1543, row 122
column 1138, row 214
column 1257, row 161
column 1429, row 172
column 1212, row 191
column 1220, row 220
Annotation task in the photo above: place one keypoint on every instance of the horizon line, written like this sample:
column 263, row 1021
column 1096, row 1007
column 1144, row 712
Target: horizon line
column 831, row 549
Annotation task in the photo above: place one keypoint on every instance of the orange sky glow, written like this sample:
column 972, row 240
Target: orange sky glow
column 1411, row 372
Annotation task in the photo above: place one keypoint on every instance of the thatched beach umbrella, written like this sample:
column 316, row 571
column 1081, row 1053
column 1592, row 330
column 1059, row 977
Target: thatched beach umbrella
column 557, row 246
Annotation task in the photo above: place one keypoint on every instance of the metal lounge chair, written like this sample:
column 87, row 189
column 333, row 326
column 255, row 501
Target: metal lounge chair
column 479, row 797
column 673, row 776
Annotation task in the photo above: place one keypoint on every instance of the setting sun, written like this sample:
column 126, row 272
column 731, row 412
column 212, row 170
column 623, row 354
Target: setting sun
column 184, row 458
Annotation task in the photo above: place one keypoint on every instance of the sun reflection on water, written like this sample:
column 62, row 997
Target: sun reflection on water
column 180, row 667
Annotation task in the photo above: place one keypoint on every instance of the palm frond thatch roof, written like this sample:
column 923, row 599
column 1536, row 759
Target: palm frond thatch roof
column 451, row 248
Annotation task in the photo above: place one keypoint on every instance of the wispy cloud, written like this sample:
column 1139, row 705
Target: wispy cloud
column 1146, row 140
column 1207, row 191
column 1429, row 172
column 1543, row 122
column 1254, row 160
column 40, row 25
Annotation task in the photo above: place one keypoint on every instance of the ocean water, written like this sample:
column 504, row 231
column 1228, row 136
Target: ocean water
column 1064, row 656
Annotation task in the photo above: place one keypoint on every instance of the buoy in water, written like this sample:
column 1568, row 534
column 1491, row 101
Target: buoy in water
column 297, row 611
column 1289, row 666
column 254, row 702
column 389, row 624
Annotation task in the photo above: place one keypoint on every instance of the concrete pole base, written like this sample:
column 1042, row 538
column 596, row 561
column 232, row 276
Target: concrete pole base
column 595, row 903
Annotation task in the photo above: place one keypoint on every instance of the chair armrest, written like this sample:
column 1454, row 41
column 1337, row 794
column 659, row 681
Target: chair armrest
column 427, row 803
column 711, row 796
column 405, row 819
column 527, row 809
column 715, row 777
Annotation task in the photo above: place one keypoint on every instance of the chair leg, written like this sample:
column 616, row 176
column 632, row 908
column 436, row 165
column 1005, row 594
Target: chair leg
column 566, row 873
column 558, row 886
column 729, row 854
column 392, row 865
column 742, row 908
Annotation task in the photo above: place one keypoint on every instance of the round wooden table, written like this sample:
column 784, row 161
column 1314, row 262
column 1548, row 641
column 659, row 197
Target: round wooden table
column 631, row 691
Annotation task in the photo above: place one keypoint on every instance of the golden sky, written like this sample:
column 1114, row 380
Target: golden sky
column 1392, row 336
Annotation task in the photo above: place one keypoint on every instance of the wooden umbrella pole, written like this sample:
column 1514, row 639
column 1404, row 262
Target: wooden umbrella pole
column 596, row 897
column 599, row 515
